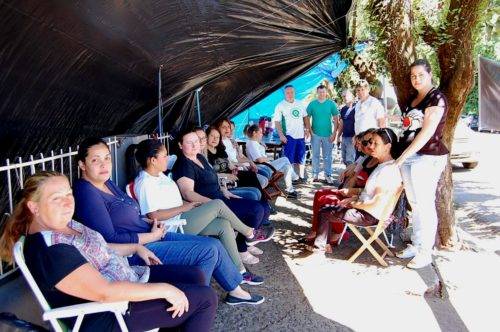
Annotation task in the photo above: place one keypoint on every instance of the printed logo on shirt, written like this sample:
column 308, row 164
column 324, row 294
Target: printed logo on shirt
column 295, row 113
column 413, row 120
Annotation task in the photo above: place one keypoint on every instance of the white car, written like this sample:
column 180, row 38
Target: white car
column 464, row 149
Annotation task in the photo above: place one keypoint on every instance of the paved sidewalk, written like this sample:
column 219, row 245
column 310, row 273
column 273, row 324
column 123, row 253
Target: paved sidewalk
column 311, row 292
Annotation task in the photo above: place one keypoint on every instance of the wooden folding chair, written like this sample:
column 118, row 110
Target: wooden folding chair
column 273, row 190
column 375, row 231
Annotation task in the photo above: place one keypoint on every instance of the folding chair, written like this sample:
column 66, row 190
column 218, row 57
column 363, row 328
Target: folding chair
column 77, row 310
column 273, row 190
column 172, row 225
column 375, row 231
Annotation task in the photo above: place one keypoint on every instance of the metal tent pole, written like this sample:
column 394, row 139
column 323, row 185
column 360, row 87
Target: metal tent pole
column 198, row 105
column 160, row 104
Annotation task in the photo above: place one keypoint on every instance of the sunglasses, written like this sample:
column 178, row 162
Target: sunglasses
column 367, row 142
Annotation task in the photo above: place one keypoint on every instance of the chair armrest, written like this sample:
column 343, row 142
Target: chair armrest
column 85, row 308
column 176, row 222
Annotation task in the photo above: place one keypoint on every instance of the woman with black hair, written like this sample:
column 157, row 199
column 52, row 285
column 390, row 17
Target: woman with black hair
column 365, row 206
column 247, row 181
column 105, row 208
column 423, row 159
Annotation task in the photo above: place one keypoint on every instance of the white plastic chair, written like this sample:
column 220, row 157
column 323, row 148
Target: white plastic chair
column 77, row 310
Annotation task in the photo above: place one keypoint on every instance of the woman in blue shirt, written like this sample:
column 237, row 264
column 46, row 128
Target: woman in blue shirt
column 102, row 206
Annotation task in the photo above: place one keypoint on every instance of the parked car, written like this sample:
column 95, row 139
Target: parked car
column 474, row 122
column 464, row 149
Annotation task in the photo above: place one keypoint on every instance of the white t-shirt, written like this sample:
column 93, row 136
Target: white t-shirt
column 385, row 175
column 367, row 114
column 255, row 150
column 156, row 193
column 294, row 114
column 232, row 153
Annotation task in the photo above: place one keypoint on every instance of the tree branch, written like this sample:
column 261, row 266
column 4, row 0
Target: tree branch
column 430, row 35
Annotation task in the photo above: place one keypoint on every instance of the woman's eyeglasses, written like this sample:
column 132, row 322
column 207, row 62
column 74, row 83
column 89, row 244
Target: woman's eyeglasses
column 366, row 142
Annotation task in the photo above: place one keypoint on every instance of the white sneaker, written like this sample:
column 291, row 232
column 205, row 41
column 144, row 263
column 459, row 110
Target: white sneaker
column 329, row 180
column 254, row 250
column 248, row 258
column 420, row 260
column 409, row 252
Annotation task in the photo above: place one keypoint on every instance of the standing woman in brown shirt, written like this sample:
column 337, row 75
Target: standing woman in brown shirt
column 422, row 161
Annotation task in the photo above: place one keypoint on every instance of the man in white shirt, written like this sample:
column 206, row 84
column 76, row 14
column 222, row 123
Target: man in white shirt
column 369, row 112
column 298, row 127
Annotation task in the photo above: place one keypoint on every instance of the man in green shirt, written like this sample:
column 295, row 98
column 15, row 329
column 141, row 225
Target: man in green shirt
column 323, row 112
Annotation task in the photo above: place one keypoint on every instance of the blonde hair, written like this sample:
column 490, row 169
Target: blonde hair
column 21, row 219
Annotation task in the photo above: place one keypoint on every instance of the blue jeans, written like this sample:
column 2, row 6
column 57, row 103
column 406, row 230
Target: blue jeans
column 204, row 252
column 348, row 151
column 247, row 192
column 264, row 171
column 323, row 143
column 421, row 174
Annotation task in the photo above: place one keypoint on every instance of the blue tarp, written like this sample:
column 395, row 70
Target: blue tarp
column 304, row 84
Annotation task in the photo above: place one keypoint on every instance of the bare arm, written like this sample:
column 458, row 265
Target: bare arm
column 186, row 186
column 124, row 249
column 165, row 214
column 307, row 125
column 87, row 283
column 155, row 235
column 431, row 121
column 335, row 128
column 381, row 122
column 279, row 128
column 262, row 160
column 380, row 197
column 340, row 128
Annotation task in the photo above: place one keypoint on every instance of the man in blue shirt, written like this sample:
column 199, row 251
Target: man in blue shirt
column 346, row 128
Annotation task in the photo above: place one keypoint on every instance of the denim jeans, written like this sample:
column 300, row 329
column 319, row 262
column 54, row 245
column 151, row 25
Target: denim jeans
column 281, row 164
column 264, row 171
column 247, row 192
column 348, row 151
column 321, row 143
column 421, row 174
column 204, row 252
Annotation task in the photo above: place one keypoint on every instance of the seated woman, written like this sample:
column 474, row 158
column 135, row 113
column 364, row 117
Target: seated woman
column 361, row 171
column 73, row 264
column 234, row 154
column 257, row 153
column 198, row 182
column 248, row 185
column 159, row 198
column 105, row 208
column 366, row 206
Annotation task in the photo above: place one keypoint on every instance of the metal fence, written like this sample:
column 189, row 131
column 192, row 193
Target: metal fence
column 14, row 172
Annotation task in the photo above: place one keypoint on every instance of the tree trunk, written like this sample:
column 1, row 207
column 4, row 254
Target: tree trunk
column 456, row 62
column 455, row 57
column 395, row 19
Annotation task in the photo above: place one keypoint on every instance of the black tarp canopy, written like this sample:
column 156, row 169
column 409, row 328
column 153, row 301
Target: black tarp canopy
column 71, row 69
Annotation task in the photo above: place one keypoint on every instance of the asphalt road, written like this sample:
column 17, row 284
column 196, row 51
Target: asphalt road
column 477, row 191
